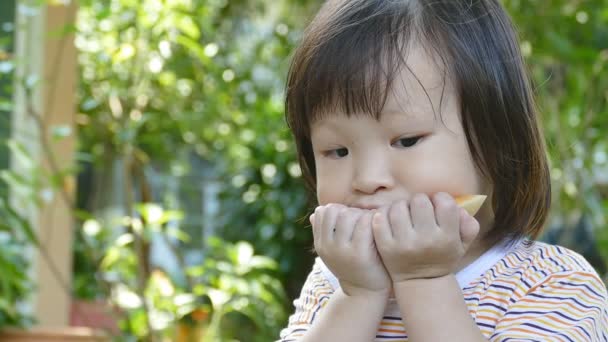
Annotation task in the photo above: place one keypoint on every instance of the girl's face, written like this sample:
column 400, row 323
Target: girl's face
column 415, row 147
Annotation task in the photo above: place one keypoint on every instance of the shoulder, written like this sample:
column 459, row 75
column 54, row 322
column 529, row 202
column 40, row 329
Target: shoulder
column 542, row 257
column 323, row 272
column 544, row 291
column 534, row 265
column 315, row 293
column 539, row 262
column 538, row 289
column 320, row 280
column 534, row 259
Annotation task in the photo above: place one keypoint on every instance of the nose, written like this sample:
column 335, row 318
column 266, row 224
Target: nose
column 372, row 175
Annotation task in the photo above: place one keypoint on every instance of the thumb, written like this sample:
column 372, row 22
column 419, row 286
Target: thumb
column 469, row 228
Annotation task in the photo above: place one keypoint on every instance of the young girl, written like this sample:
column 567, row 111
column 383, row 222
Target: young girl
column 397, row 107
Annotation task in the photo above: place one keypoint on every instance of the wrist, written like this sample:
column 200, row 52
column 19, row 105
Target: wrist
column 355, row 291
column 423, row 284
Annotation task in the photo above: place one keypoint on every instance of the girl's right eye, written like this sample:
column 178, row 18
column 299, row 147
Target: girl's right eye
column 337, row 153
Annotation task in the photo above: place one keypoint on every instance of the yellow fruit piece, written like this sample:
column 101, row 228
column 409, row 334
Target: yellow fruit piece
column 471, row 203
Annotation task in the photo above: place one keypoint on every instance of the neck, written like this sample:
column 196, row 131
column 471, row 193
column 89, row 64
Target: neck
column 477, row 248
column 480, row 244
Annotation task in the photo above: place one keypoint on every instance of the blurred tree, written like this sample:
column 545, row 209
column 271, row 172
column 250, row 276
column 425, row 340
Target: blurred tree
column 181, row 103
column 569, row 63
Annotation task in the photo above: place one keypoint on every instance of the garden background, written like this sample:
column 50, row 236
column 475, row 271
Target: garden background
column 183, row 198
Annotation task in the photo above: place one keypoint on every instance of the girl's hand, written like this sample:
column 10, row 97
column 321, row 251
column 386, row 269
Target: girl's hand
column 343, row 239
column 426, row 239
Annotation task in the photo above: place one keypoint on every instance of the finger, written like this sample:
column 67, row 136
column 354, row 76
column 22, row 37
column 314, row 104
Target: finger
column 447, row 213
column 328, row 222
column 363, row 235
column 381, row 230
column 345, row 225
column 399, row 220
column 315, row 219
column 422, row 213
column 469, row 229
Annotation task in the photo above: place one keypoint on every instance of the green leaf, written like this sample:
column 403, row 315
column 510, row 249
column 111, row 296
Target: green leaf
column 262, row 262
column 6, row 106
column 152, row 213
column 244, row 252
column 194, row 47
column 112, row 256
column 124, row 240
column 23, row 225
column 178, row 234
column 187, row 26
column 14, row 179
column 20, row 154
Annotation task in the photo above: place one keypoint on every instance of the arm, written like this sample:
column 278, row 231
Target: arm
column 322, row 314
column 434, row 310
column 349, row 318
column 344, row 241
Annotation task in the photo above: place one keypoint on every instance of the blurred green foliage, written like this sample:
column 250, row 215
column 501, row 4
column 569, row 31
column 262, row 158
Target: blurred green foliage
column 568, row 60
column 163, row 80
column 15, row 232
column 15, row 285
column 232, row 294
column 17, row 236
column 7, row 10
column 192, row 91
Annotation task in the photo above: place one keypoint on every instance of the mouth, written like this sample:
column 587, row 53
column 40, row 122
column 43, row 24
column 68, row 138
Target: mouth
column 471, row 203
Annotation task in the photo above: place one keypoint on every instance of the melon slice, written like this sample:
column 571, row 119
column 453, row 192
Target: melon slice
column 471, row 203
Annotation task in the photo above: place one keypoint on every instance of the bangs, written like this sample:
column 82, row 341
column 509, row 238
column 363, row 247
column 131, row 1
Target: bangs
column 353, row 69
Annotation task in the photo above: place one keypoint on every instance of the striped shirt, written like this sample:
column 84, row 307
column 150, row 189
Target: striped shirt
column 521, row 292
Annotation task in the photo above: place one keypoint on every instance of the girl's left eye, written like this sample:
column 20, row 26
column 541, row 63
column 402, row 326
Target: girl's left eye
column 406, row 142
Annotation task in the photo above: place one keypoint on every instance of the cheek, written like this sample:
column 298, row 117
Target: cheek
column 329, row 190
column 331, row 186
column 451, row 170
column 323, row 195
